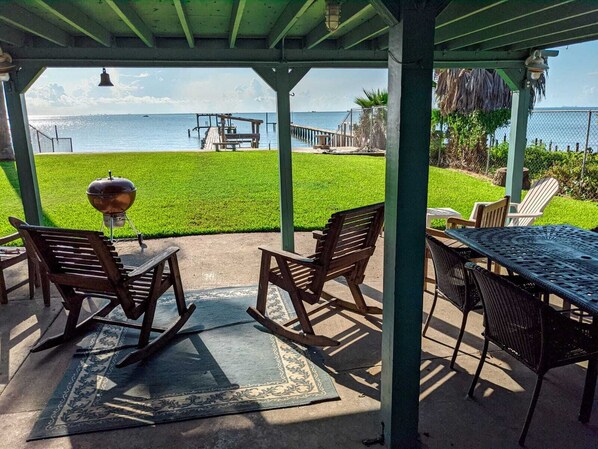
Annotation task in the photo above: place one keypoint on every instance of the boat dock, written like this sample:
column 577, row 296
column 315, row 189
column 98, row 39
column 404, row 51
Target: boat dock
column 323, row 138
column 221, row 132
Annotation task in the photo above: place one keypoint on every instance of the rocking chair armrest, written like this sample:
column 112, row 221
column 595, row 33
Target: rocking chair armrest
column 453, row 222
column 295, row 258
column 317, row 235
column 152, row 263
column 9, row 238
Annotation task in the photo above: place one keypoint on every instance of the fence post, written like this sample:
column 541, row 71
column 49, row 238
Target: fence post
column 585, row 150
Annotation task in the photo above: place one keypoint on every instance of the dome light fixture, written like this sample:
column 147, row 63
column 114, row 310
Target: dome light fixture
column 333, row 15
column 105, row 79
column 536, row 64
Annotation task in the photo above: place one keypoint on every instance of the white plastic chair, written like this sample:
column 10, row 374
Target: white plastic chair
column 532, row 206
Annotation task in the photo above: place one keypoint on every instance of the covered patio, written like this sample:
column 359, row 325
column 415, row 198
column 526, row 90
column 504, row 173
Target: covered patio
column 282, row 41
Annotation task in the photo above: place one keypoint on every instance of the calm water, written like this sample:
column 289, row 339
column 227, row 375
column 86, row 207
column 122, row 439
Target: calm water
column 164, row 132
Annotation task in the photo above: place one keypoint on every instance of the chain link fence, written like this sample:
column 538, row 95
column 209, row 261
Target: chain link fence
column 560, row 143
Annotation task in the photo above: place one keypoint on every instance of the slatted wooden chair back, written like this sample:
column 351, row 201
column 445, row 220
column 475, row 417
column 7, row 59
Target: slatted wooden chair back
column 536, row 200
column 85, row 260
column 347, row 242
column 493, row 215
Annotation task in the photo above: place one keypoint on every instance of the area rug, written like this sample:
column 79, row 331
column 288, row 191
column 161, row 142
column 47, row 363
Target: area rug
column 224, row 363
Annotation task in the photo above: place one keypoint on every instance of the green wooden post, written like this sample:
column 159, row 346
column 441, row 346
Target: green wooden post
column 282, row 80
column 14, row 91
column 410, row 61
column 285, row 165
column 517, row 82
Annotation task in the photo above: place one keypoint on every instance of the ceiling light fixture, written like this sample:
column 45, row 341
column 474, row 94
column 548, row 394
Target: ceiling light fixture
column 536, row 64
column 6, row 66
column 333, row 15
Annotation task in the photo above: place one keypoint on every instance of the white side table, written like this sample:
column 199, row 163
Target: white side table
column 440, row 213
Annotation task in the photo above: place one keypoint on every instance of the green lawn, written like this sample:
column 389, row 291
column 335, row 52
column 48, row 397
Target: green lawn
column 199, row 193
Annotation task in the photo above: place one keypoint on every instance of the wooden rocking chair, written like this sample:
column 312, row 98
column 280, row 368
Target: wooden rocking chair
column 84, row 264
column 343, row 248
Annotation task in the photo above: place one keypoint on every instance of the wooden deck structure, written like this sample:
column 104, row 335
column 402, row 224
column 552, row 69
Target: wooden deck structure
column 321, row 138
column 223, row 126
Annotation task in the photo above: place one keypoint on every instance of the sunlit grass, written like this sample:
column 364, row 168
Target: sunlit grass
column 183, row 193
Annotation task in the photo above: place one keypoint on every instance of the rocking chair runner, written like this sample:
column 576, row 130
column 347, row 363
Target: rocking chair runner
column 343, row 248
column 84, row 264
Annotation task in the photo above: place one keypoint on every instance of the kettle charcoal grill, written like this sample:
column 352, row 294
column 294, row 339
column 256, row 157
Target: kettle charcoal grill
column 113, row 196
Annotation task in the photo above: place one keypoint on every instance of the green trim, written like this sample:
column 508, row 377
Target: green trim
column 460, row 10
column 69, row 13
column 517, row 142
column 235, row 22
column 22, row 19
column 11, row 35
column 367, row 30
column 128, row 15
column 287, row 19
column 184, row 23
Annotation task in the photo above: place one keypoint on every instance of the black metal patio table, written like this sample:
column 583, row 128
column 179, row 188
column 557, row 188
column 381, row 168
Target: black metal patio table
column 560, row 259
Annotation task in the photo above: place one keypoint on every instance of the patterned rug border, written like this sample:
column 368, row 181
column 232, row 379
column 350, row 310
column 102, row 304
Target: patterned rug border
column 277, row 309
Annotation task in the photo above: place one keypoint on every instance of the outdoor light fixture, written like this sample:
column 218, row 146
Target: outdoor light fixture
column 536, row 65
column 105, row 79
column 333, row 14
column 6, row 66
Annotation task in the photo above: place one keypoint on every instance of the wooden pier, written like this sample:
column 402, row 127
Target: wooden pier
column 221, row 132
column 322, row 138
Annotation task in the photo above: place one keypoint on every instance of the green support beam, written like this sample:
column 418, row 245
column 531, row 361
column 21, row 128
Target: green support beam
column 11, row 35
column 503, row 13
column 407, row 159
column 127, row 14
column 462, row 9
column 282, row 79
column 517, row 82
column 22, row 19
column 287, row 19
column 367, row 30
column 69, row 13
column 180, row 11
column 235, row 21
column 14, row 91
column 561, row 11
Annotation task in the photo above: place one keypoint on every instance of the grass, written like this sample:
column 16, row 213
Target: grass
column 199, row 193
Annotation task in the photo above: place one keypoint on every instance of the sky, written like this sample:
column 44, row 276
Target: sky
column 572, row 81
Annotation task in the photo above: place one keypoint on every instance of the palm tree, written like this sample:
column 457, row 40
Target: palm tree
column 6, row 151
column 373, row 98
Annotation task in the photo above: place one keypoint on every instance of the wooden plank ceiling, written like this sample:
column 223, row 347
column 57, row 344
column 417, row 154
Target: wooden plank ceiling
column 253, row 32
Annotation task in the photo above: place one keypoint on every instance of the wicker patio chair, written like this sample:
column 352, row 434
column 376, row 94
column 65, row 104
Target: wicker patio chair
column 85, row 265
column 528, row 330
column 454, row 284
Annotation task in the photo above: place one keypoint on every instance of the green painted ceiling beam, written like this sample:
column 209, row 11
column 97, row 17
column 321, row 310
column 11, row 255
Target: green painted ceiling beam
column 367, row 30
column 180, row 11
column 287, row 19
column 462, row 9
column 563, row 38
column 69, row 13
column 22, row 19
column 235, row 21
column 11, row 35
column 539, row 32
column 128, row 15
column 167, row 54
column 560, row 12
column 350, row 13
column 388, row 10
column 503, row 13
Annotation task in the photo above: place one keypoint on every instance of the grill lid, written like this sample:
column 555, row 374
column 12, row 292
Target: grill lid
column 111, row 195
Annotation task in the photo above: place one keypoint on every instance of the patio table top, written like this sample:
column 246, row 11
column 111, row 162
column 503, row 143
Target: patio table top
column 561, row 259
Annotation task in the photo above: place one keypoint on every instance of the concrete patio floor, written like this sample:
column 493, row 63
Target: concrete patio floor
column 447, row 419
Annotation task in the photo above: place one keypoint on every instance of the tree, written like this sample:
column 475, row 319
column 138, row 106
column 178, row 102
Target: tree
column 473, row 104
column 6, row 151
